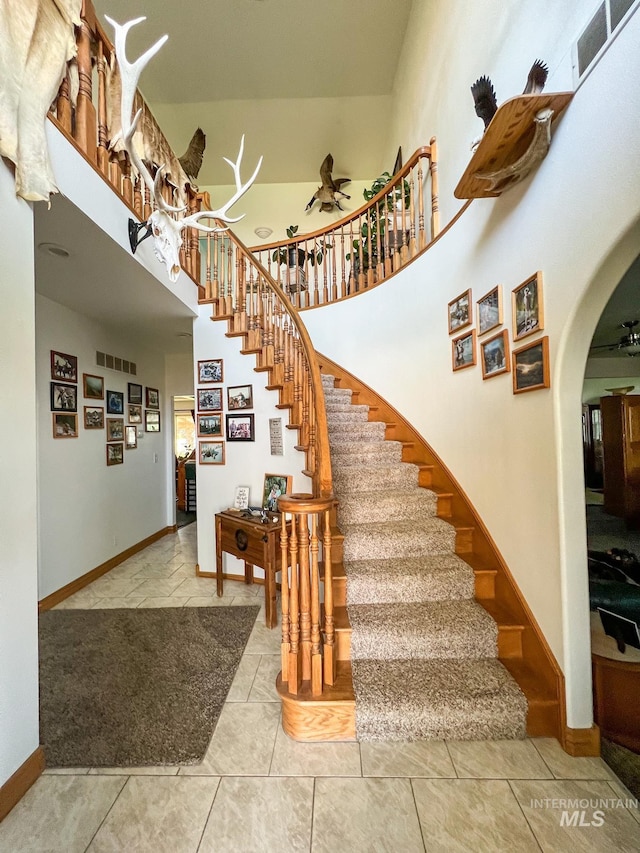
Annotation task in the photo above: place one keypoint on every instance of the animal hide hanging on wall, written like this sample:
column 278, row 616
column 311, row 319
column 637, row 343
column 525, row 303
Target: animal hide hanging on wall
column 38, row 39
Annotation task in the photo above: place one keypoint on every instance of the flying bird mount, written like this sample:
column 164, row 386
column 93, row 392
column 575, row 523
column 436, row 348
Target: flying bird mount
column 329, row 193
column 516, row 136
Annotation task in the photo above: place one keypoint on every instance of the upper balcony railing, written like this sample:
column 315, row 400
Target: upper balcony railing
column 363, row 249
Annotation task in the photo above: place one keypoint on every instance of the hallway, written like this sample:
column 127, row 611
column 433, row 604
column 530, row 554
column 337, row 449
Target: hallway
column 256, row 790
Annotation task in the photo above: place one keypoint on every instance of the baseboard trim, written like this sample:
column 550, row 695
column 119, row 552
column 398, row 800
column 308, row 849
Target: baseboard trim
column 17, row 785
column 581, row 742
column 84, row 580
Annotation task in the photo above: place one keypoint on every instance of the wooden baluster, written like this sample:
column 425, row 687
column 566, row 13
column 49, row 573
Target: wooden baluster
column 334, row 270
column 127, row 186
column 137, row 197
column 371, row 271
column 422, row 239
column 329, row 630
column 207, row 276
column 63, row 104
column 325, row 270
column 383, row 267
column 435, row 202
column 305, row 598
column 316, row 648
column 285, row 647
column 361, row 272
column 103, row 141
column 146, row 205
column 412, row 215
column 215, row 283
column 85, row 129
column 293, row 669
column 396, row 242
column 343, row 266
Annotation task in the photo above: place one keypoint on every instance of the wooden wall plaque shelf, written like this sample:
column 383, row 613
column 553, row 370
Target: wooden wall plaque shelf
column 515, row 141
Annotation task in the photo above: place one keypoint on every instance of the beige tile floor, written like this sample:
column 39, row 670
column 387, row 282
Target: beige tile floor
column 257, row 790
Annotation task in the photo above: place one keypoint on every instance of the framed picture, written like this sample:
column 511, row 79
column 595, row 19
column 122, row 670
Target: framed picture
column 240, row 397
column 460, row 312
column 115, row 403
column 135, row 414
column 134, row 393
column 115, row 454
column 209, row 399
column 65, row 426
column 494, row 355
column 211, row 452
column 93, row 386
column 531, row 366
column 130, row 437
column 490, row 310
column 210, row 370
column 528, row 313
column 94, row 417
column 241, row 500
column 463, row 350
column 115, row 429
column 64, row 398
column 64, row 366
column 151, row 421
column 209, row 425
column 240, row 428
column 153, row 398
column 274, row 486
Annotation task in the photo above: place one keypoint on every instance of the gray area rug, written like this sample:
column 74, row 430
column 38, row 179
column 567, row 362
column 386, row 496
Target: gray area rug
column 123, row 688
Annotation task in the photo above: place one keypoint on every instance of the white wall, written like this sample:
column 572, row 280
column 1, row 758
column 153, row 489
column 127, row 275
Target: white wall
column 90, row 512
column 246, row 463
column 518, row 458
column 19, row 735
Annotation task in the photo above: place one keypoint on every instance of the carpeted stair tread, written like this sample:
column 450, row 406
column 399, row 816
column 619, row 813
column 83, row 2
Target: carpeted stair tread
column 392, row 504
column 437, row 699
column 369, row 478
column 428, row 629
column 356, row 431
column 405, row 538
column 341, row 405
column 429, row 578
column 352, row 414
column 353, row 454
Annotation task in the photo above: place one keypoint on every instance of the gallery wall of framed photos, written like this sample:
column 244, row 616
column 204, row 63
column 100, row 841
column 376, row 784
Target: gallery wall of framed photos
column 528, row 363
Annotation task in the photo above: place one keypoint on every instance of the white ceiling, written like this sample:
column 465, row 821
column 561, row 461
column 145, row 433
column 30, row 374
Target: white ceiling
column 299, row 77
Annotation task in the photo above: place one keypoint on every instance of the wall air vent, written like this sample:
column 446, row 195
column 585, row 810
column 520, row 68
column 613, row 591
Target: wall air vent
column 603, row 26
column 113, row 362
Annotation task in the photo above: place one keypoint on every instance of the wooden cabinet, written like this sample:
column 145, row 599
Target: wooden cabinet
column 621, row 456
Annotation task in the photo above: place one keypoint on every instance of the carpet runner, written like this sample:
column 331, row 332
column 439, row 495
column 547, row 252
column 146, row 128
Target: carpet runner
column 423, row 651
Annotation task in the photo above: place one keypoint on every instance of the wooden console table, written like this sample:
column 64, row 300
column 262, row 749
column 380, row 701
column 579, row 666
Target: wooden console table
column 258, row 544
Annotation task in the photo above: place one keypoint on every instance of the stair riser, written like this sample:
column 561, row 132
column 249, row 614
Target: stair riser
column 339, row 407
column 365, row 547
column 351, row 510
column 404, row 647
column 371, row 480
column 473, row 726
column 351, row 416
column 365, row 431
column 436, row 586
column 367, row 454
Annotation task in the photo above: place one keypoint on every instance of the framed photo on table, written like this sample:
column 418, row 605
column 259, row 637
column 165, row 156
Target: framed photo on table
column 275, row 485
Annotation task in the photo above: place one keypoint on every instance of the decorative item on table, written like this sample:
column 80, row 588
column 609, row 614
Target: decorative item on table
column 64, row 367
column 459, row 312
column 209, row 425
column 494, row 355
column 64, row 398
column 275, row 485
column 115, row 454
column 134, row 393
column 240, row 428
column 115, row 429
column 531, row 366
column 240, row 397
column 490, row 310
column 130, row 437
column 527, row 306
column 65, row 426
column 209, row 399
column 135, row 414
column 93, row 386
column 241, row 499
column 94, row 417
column 210, row 370
column 115, row 402
column 152, row 398
column 463, row 350
column 151, row 421
column 211, row 452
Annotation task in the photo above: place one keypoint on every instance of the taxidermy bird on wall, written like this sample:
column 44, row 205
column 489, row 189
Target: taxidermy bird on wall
column 191, row 160
column 328, row 193
column 484, row 96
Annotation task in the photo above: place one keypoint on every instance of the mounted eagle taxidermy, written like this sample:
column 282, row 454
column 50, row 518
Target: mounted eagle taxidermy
column 484, row 96
column 328, row 193
column 191, row 160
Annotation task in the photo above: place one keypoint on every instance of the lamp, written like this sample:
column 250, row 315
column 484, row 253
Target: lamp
column 262, row 231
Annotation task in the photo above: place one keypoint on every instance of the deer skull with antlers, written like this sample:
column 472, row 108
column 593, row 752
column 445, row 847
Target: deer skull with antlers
column 165, row 228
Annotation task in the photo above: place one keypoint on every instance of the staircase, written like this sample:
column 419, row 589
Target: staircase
column 423, row 651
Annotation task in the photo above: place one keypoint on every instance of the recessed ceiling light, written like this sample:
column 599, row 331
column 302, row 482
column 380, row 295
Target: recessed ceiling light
column 54, row 249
